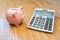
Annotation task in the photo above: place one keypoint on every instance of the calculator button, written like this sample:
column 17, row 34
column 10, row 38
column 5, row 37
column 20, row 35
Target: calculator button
column 50, row 27
column 43, row 18
column 47, row 18
column 34, row 26
column 51, row 19
column 42, row 23
column 39, row 22
column 37, row 26
column 41, row 27
column 32, row 20
column 46, row 25
column 37, row 17
column 36, row 20
column 50, row 24
column 30, row 25
column 34, row 23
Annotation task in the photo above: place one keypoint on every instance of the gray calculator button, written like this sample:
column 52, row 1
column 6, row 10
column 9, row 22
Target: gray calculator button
column 51, row 18
column 32, row 20
column 42, row 23
column 37, row 17
column 34, row 26
column 38, row 25
column 50, row 27
column 46, row 25
column 50, row 24
column 43, row 18
column 34, row 23
column 41, row 27
column 38, row 22
column 40, row 18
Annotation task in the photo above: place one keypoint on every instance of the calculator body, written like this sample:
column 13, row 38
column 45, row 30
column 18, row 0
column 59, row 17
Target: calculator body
column 42, row 20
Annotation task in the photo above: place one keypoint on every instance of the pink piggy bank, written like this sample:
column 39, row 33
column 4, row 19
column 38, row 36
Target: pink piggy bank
column 15, row 16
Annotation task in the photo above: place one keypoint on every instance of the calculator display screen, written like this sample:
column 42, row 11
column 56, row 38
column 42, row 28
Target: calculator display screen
column 44, row 13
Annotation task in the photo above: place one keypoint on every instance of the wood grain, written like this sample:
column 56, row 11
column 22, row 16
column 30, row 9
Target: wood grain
column 10, row 32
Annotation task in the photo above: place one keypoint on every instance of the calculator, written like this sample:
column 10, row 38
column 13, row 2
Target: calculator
column 42, row 20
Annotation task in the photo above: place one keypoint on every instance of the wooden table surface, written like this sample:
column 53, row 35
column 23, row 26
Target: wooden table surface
column 10, row 32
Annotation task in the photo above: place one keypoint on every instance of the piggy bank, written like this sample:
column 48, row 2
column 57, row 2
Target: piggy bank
column 15, row 16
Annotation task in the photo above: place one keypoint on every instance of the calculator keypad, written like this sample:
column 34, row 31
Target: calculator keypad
column 41, row 22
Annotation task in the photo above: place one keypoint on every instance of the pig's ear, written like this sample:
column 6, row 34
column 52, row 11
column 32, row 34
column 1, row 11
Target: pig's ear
column 21, row 7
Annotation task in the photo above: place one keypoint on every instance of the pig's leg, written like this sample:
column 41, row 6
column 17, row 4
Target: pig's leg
column 17, row 25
